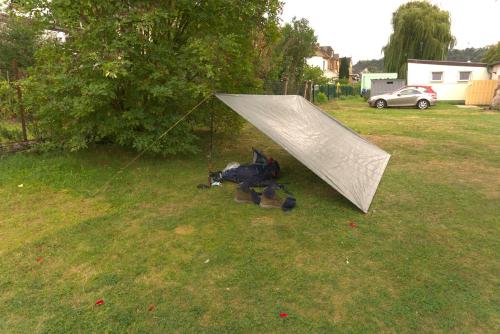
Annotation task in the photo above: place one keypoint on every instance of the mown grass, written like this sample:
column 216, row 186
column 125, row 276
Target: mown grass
column 167, row 257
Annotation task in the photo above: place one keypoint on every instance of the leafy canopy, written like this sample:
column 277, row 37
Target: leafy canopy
column 344, row 68
column 467, row 54
column 297, row 43
column 315, row 74
column 421, row 31
column 129, row 69
column 18, row 41
column 492, row 54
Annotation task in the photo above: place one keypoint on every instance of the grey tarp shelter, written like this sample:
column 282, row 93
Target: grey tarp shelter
column 343, row 159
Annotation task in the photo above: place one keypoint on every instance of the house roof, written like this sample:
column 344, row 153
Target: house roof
column 447, row 62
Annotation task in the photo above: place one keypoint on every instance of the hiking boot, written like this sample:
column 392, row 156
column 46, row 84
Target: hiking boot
column 243, row 193
column 270, row 199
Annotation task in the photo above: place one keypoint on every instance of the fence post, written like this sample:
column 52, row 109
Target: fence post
column 310, row 91
column 20, row 99
column 313, row 92
column 285, row 86
column 11, row 107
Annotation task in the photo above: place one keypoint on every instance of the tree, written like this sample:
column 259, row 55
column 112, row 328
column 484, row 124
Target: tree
column 421, row 31
column 492, row 54
column 468, row 54
column 130, row 69
column 315, row 74
column 373, row 66
column 18, row 41
column 297, row 43
column 344, row 68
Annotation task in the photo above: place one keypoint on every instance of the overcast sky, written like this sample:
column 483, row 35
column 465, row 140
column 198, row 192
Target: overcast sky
column 360, row 28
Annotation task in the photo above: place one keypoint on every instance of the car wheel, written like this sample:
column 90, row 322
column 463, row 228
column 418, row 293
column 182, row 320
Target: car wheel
column 423, row 104
column 380, row 104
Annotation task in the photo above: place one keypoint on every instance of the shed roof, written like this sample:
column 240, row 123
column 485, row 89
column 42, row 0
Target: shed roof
column 447, row 63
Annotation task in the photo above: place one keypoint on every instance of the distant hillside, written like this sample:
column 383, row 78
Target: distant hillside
column 472, row 54
column 374, row 66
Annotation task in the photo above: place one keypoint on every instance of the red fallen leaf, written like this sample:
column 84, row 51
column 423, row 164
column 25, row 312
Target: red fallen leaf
column 283, row 315
column 100, row 302
column 353, row 225
column 39, row 260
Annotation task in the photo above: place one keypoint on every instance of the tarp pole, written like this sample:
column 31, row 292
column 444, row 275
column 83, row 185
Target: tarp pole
column 211, row 153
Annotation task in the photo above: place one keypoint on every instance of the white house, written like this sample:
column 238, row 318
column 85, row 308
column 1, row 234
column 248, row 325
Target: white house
column 449, row 79
column 327, row 61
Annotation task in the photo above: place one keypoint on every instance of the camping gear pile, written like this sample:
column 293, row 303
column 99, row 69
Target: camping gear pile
column 262, row 172
column 268, row 199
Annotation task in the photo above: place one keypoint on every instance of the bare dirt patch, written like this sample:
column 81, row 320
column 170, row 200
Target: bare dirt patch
column 393, row 140
column 184, row 230
column 485, row 178
column 81, row 273
column 170, row 208
column 263, row 221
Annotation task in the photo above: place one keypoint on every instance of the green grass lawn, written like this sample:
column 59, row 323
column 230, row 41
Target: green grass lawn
column 168, row 258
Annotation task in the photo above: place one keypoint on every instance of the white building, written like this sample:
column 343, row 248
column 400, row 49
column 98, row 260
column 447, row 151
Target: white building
column 449, row 79
column 327, row 61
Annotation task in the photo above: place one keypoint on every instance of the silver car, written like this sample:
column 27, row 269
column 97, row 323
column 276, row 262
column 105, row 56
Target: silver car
column 406, row 97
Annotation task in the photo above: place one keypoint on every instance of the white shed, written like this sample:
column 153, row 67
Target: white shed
column 366, row 78
column 449, row 79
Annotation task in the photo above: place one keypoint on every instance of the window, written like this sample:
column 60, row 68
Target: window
column 437, row 76
column 409, row 92
column 464, row 76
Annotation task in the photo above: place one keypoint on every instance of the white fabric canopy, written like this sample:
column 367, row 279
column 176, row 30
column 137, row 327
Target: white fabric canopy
column 343, row 159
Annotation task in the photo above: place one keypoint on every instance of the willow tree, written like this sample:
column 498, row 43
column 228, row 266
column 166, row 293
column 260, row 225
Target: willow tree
column 421, row 31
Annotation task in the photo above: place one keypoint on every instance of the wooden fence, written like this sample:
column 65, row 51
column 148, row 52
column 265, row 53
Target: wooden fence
column 480, row 92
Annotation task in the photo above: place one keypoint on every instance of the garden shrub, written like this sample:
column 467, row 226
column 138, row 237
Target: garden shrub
column 321, row 98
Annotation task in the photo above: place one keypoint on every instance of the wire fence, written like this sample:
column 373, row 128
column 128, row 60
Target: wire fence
column 285, row 87
column 312, row 91
column 335, row 91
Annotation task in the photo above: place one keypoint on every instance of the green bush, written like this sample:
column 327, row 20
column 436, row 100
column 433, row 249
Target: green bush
column 127, row 78
column 321, row 98
column 7, row 134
